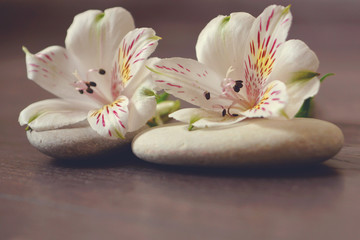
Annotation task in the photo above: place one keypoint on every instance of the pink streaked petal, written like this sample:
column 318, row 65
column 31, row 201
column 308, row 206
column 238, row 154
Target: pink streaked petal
column 270, row 102
column 195, row 86
column 267, row 34
column 111, row 120
column 296, row 57
column 55, row 73
column 117, row 85
column 134, row 49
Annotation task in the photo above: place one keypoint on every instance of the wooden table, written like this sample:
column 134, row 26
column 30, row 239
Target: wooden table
column 124, row 198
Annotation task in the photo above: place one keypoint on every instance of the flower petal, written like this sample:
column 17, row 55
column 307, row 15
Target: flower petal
column 294, row 57
column 52, row 69
column 202, row 118
column 53, row 113
column 131, row 56
column 296, row 67
column 111, row 120
column 191, row 81
column 221, row 43
column 271, row 102
column 142, row 106
column 94, row 37
column 267, row 34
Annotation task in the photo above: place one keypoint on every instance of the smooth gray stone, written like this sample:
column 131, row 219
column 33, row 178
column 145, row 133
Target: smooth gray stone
column 253, row 142
column 71, row 143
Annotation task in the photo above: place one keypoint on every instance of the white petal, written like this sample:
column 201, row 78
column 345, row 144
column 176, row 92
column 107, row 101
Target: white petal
column 296, row 66
column 268, row 32
column 271, row 101
column 111, row 121
column 294, row 56
column 52, row 69
column 298, row 93
column 131, row 56
column 52, row 114
column 201, row 118
column 94, row 37
column 191, row 81
column 142, row 107
column 221, row 43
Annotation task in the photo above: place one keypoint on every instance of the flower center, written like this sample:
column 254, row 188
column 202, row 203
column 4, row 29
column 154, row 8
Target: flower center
column 89, row 88
column 230, row 91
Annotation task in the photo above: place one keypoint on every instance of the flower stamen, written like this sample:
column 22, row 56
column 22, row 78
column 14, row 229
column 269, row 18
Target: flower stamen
column 238, row 85
column 207, row 95
column 231, row 114
column 88, row 86
column 102, row 71
column 230, row 90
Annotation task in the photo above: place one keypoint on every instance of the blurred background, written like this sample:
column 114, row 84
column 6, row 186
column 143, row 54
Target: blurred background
column 330, row 27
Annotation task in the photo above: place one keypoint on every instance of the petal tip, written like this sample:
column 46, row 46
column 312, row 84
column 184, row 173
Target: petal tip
column 99, row 16
column 155, row 38
column 25, row 50
column 283, row 113
column 226, row 19
column 286, row 10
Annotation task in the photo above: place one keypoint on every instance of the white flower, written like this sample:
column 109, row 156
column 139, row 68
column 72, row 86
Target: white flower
column 245, row 69
column 100, row 77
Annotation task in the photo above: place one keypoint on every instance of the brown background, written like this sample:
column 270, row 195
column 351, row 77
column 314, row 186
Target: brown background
column 43, row 198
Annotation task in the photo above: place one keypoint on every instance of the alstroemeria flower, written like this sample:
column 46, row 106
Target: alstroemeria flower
column 245, row 69
column 100, row 77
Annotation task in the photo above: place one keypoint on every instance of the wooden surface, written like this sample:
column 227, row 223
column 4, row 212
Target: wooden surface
column 121, row 197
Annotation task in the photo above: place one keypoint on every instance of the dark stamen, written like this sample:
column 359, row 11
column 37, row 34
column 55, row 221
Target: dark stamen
column 236, row 88
column 93, row 84
column 238, row 85
column 233, row 115
column 224, row 112
column 89, row 90
column 81, row 91
column 102, row 71
column 207, row 95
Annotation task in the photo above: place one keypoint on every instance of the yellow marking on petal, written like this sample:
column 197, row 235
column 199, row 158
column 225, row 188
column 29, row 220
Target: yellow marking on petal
column 264, row 98
column 124, row 69
column 264, row 62
column 99, row 111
